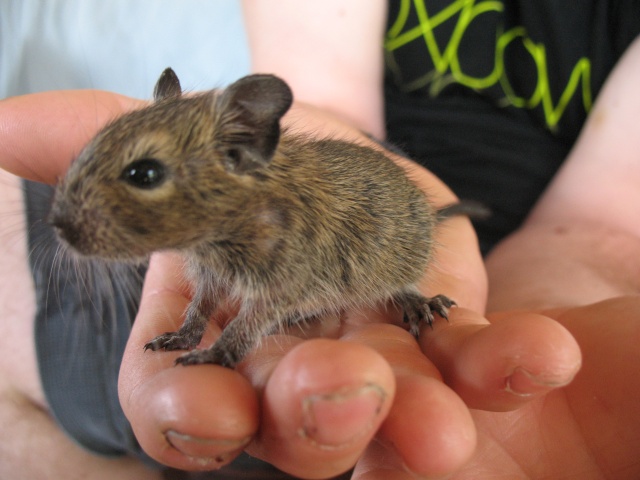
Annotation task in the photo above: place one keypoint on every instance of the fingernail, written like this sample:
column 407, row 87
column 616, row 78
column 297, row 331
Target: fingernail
column 336, row 420
column 525, row 384
column 204, row 451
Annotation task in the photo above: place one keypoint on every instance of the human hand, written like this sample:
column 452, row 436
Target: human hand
column 268, row 405
column 579, row 250
column 588, row 429
column 309, row 407
column 581, row 272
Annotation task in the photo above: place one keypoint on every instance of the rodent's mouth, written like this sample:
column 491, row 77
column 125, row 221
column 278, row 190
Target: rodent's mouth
column 72, row 238
column 84, row 235
column 66, row 232
column 88, row 247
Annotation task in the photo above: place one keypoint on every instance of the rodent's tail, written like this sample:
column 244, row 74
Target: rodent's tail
column 470, row 208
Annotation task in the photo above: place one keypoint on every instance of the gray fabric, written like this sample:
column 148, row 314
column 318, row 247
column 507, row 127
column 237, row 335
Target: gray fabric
column 84, row 316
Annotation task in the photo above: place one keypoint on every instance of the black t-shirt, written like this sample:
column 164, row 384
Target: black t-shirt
column 491, row 95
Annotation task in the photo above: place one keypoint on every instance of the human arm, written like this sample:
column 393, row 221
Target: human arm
column 329, row 52
column 583, row 230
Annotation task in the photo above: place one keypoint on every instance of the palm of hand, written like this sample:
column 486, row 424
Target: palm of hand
column 589, row 429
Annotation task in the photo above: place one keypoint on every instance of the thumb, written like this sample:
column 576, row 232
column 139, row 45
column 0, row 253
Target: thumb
column 41, row 133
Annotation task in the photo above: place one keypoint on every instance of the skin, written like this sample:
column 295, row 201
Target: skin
column 519, row 426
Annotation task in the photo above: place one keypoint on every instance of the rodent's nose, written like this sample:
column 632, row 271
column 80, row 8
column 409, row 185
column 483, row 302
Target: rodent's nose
column 65, row 229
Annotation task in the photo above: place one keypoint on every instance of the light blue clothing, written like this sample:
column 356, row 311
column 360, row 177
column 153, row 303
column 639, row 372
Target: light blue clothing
column 119, row 45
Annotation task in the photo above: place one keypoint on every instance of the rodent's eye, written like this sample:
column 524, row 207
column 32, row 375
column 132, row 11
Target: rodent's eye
column 144, row 173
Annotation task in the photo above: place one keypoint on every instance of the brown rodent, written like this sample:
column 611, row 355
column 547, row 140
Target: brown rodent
column 290, row 227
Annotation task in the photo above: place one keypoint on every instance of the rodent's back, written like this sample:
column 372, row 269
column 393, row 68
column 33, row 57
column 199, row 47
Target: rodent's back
column 355, row 220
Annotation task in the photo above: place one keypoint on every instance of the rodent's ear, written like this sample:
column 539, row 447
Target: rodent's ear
column 258, row 102
column 167, row 86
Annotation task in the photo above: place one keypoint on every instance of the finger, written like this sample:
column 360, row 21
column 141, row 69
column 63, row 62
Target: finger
column 41, row 133
column 505, row 364
column 429, row 430
column 322, row 404
column 195, row 418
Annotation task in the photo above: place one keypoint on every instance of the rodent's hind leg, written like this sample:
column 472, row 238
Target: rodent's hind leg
column 419, row 309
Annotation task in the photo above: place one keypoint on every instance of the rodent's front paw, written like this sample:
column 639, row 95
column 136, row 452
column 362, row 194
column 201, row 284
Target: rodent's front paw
column 214, row 355
column 171, row 341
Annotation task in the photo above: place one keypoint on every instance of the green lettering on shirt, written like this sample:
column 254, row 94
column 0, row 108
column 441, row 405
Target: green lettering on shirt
column 447, row 68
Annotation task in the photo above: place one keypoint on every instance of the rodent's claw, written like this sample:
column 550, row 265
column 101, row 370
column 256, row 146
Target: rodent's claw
column 419, row 309
column 170, row 341
column 441, row 305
